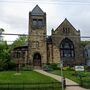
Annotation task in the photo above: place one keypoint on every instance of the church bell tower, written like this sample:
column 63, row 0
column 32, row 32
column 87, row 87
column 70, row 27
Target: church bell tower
column 37, row 51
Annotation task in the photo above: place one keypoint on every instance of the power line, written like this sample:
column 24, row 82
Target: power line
column 42, row 1
column 46, row 36
column 14, row 34
column 49, row 2
column 43, row 35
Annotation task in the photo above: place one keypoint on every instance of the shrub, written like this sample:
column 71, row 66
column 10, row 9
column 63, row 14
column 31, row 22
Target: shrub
column 68, row 68
column 47, row 67
column 10, row 66
column 7, row 66
column 50, row 67
column 87, row 68
column 54, row 66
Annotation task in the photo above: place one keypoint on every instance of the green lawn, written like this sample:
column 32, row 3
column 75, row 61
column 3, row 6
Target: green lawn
column 27, row 79
column 75, row 77
column 25, row 76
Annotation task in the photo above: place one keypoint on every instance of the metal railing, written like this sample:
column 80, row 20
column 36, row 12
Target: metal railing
column 31, row 86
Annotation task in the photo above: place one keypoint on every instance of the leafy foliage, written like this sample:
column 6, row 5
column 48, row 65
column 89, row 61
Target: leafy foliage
column 50, row 67
column 4, row 55
column 75, row 76
column 84, row 43
column 68, row 68
column 87, row 68
column 21, row 40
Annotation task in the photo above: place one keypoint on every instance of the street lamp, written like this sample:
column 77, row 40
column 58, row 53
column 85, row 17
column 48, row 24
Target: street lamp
column 61, row 66
column 62, row 79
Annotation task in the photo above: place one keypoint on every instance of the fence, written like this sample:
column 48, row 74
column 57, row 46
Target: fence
column 31, row 86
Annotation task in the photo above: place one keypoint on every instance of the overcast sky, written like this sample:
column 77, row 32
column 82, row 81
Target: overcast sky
column 14, row 14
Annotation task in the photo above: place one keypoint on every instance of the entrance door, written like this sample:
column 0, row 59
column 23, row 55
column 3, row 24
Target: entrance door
column 37, row 59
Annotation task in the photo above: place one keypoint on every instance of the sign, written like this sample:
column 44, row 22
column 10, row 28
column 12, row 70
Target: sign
column 79, row 68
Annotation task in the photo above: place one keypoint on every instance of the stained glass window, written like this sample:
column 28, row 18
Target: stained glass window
column 67, row 48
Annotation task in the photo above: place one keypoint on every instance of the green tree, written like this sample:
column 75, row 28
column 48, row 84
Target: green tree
column 5, row 52
column 21, row 40
column 4, row 55
column 84, row 43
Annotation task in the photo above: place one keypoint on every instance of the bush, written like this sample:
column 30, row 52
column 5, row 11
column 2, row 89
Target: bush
column 87, row 68
column 50, row 67
column 10, row 66
column 54, row 66
column 7, row 66
column 47, row 67
column 68, row 68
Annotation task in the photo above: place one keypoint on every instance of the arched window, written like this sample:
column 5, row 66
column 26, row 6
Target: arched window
column 67, row 48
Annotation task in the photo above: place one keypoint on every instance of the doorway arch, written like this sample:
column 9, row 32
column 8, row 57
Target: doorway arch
column 37, row 59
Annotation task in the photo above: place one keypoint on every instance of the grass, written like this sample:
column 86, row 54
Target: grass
column 25, row 76
column 75, row 77
column 26, row 79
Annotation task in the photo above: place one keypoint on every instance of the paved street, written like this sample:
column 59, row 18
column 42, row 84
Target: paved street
column 68, row 82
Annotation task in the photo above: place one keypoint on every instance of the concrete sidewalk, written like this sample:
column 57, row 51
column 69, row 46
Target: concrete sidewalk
column 68, row 82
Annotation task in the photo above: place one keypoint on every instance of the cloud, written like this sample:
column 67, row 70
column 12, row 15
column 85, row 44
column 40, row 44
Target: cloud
column 14, row 15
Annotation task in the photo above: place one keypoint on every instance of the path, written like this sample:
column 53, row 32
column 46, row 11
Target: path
column 68, row 82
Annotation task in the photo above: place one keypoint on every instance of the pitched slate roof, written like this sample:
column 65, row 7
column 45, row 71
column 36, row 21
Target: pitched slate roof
column 37, row 11
column 22, row 46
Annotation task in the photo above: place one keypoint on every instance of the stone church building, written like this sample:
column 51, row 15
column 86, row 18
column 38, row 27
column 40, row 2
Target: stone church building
column 63, row 44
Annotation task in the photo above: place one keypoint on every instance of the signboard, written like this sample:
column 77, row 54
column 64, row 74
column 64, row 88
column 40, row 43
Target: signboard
column 79, row 68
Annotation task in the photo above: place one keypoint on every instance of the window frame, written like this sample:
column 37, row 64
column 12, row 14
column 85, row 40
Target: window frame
column 67, row 51
column 37, row 23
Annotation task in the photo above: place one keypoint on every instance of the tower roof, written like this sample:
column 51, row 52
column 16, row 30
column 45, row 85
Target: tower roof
column 37, row 11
